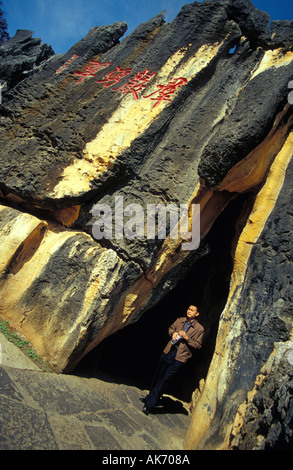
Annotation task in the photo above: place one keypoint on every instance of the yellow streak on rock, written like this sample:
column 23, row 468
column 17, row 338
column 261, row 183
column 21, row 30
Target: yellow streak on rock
column 108, row 262
column 130, row 120
column 128, row 306
column 273, row 58
column 251, row 170
column 264, row 204
column 222, row 363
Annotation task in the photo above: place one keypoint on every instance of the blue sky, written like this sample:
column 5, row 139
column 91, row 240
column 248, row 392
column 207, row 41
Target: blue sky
column 61, row 23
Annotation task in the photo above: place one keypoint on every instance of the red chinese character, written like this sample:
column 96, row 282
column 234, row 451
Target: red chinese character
column 91, row 69
column 166, row 90
column 137, row 83
column 114, row 77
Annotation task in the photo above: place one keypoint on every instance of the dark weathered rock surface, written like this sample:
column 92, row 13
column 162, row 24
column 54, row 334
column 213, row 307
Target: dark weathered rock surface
column 190, row 112
column 21, row 56
column 266, row 417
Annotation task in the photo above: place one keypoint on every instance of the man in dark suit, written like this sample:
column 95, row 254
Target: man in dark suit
column 186, row 335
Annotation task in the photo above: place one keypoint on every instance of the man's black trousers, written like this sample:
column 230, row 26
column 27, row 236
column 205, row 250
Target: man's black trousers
column 166, row 368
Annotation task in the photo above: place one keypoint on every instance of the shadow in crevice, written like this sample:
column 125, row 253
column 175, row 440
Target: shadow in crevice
column 130, row 356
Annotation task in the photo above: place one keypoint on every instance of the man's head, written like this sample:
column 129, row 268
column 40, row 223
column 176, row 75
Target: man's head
column 192, row 312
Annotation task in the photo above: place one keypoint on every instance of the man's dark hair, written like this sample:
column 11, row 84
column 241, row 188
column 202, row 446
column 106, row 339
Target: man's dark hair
column 3, row 25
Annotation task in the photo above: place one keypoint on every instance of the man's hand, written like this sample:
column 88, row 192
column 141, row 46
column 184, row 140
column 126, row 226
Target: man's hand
column 175, row 335
column 183, row 334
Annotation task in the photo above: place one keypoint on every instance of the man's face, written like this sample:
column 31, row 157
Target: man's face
column 192, row 312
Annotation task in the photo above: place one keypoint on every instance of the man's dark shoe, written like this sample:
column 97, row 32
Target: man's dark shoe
column 146, row 410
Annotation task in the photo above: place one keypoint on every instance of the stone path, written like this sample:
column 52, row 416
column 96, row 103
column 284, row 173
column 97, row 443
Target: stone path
column 45, row 411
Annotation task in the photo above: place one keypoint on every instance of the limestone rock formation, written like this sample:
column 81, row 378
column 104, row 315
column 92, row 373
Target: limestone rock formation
column 22, row 56
column 192, row 112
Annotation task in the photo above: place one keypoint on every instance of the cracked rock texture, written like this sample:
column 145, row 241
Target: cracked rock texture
column 192, row 112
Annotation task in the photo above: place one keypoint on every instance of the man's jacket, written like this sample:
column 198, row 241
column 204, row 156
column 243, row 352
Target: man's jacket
column 186, row 347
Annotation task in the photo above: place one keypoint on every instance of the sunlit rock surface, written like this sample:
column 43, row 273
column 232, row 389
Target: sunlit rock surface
column 193, row 112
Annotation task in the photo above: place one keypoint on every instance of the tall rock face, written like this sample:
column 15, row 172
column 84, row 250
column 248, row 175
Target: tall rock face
column 192, row 112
